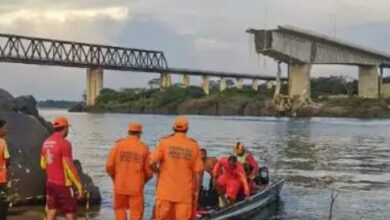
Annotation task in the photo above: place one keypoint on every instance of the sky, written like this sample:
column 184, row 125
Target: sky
column 199, row 34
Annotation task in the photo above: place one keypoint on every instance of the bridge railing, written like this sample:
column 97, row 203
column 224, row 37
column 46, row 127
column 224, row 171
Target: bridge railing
column 42, row 51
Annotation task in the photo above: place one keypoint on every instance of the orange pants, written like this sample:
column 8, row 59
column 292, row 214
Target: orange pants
column 124, row 202
column 166, row 210
column 230, row 184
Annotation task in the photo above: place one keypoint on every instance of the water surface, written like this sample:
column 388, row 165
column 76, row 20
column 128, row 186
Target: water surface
column 349, row 155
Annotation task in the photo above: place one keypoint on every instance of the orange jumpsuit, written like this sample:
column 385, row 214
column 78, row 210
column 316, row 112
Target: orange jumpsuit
column 127, row 165
column 231, row 179
column 179, row 160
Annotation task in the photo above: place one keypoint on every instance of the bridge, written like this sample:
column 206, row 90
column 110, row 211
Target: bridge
column 301, row 49
column 96, row 58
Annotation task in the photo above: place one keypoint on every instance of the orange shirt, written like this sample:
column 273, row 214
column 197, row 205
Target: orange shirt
column 128, row 166
column 4, row 155
column 179, row 158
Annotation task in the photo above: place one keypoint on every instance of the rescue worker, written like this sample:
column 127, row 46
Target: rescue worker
column 177, row 160
column 229, row 177
column 57, row 160
column 208, row 162
column 208, row 197
column 127, row 164
column 4, row 163
column 247, row 159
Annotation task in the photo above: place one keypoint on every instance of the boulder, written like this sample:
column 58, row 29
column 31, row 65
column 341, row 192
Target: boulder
column 27, row 131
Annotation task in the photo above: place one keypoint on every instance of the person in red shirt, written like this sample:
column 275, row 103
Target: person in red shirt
column 229, row 177
column 4, row 163
column 57, row 160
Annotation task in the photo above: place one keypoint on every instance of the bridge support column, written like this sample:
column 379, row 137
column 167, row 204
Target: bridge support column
column 368, row 82
column 269, row 84
column 255, row 85
column 299, row 81
column 222, row 84
column 205, row 85
column 94, row 85
column 165, row 80
column 239, row 83
column 186, row 81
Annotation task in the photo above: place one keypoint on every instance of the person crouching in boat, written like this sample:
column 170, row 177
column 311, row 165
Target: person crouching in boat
column 251, row 166
column 209, row 197
column 231, row 179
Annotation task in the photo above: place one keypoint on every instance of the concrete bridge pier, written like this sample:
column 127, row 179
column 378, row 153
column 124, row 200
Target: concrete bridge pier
column 239, row 83
column 255, row 85
column 269, row 84
column 94, row 85
column 368, row 85
column 222, row 84
column 165, row 80
column 299, row 81
column 186, row 81
column 205, row 84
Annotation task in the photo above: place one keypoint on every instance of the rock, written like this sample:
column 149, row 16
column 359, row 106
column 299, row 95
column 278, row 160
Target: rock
column 27, row 131
column 80, row 107
column 7, row 102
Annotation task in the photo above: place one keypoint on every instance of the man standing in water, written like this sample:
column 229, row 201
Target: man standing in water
column 127, row 164
column 57, row 160
column 177, row 159
column 4, row 163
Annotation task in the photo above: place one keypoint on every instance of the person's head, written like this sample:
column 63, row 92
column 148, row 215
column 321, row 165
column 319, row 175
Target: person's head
column 3, row 128
column 203, row 153
column 135, row 129
column 232, row 160
column 180, row 124
column 61, row 125
column 239, row 149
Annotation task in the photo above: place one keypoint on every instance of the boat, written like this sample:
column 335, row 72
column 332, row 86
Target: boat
column 249, row 207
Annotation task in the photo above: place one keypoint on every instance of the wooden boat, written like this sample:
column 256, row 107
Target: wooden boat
column 250, row 207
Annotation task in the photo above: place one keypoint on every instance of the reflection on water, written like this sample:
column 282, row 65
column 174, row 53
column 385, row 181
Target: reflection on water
column 349, row 155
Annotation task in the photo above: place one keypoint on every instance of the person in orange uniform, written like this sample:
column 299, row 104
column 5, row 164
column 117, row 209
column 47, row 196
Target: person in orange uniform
column 4, row 163
column 177, row 159
column 128, row 166
column 57, row 160
column 229, row 176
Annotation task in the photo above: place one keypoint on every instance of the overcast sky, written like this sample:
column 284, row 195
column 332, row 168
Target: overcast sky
column 200, row 34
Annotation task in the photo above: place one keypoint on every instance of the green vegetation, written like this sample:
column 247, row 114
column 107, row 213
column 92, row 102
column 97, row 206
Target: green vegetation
column 56, row 104
column 173, row 96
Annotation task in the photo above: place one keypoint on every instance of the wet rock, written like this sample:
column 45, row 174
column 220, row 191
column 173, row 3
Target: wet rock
column 80, row 107
column 27, row 131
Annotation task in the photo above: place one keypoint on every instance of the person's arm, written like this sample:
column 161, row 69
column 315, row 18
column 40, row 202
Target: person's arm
column 252, row 162
column 156, row 157
column 6, row 155
column 110, row 163
column 197, row 175
column 70, row 168
column 147, row 170
column 216, row 169
column 241, row 173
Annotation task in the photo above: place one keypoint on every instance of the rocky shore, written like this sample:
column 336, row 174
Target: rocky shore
column 27, row 131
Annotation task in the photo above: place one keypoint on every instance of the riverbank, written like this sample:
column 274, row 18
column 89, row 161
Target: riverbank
column 245, row 102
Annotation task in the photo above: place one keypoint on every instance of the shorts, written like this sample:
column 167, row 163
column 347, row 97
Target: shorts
column 61, row 198
column 231, row 185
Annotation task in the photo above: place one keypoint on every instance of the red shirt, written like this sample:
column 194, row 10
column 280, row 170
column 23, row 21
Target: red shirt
column 54, row 150
column 223, row 164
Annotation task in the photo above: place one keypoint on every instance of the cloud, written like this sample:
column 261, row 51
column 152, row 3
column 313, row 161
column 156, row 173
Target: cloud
column 40, row 16
column 205, row 44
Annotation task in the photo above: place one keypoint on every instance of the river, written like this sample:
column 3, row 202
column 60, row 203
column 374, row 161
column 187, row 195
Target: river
column 315, row 155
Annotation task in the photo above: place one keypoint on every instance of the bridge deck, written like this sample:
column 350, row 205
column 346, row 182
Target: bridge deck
column 43, row 51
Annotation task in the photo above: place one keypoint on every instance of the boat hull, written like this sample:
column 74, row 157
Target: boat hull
column 251, row 207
